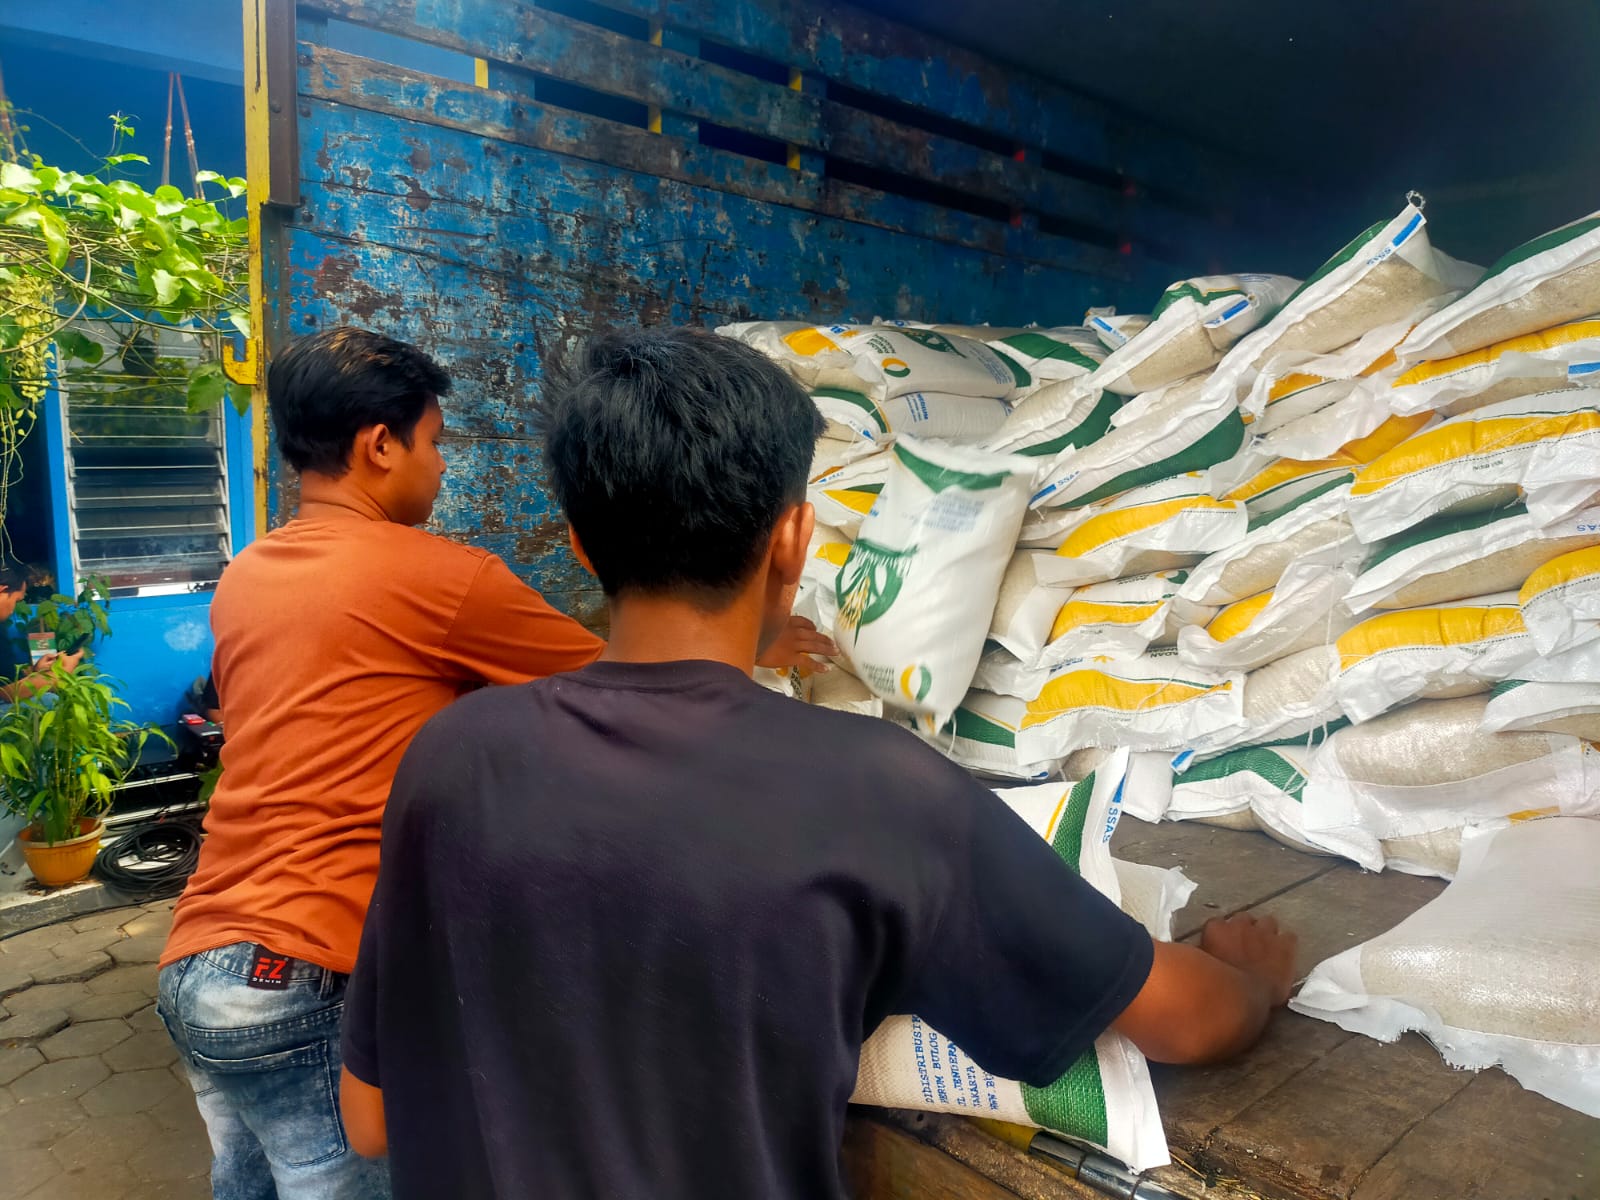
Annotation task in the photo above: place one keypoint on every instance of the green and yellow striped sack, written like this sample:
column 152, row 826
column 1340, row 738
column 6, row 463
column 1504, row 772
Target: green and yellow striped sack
column 1105, row 1098
column 1544, row 282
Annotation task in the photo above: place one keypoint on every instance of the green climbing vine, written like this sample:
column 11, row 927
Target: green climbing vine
column 94, row 270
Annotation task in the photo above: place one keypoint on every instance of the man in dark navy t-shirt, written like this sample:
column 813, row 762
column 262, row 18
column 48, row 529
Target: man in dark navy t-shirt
column 633, row 923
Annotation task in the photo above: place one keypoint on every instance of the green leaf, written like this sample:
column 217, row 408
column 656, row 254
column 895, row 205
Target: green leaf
column 166, row 285
column 207, row 385
column 239, row 397
column 117, row 160
column 73, row 344
column 239, row 318
column 16, row 176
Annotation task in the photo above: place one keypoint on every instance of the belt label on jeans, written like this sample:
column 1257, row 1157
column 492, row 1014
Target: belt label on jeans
column 269, row 970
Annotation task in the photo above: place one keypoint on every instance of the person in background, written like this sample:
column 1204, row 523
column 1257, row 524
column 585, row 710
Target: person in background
column 26, row 679
column 632, row 924
column 337, row 637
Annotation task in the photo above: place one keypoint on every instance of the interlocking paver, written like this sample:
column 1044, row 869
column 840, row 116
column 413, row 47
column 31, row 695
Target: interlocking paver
column 46, row 995
column 110, row 918
column 145, row 949
column 140, row 978
column 151, row 924
column 88, row 942
column 85, row 1039
column 190, row 1189
column 13, row 978
column 110, row 1140
column 79, row 966
column 101, row 1008
column 28, row 1027
column 141, row 1052
column 62, row 1080
column 18, row 1060
column 41, row 1123
column 146, row 1019
column 131, row 1091
column 26, row 1170
column 171, row 1158
column 43, row 938
column 88, row 1183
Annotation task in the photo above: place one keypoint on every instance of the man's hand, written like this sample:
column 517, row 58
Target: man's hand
column 67, row 662
column 801, row 644
column 1207, row 1003
column 1257, row 947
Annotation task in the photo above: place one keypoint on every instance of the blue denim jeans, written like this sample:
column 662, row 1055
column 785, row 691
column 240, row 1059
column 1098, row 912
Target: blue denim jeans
column 264, row 1065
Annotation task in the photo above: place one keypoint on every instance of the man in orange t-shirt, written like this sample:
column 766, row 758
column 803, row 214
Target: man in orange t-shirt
column 337, row 637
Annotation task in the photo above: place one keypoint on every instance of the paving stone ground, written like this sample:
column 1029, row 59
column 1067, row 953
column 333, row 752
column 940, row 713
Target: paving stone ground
column 93, row 1104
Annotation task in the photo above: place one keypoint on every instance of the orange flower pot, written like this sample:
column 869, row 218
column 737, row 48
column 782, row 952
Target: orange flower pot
column 56, row 864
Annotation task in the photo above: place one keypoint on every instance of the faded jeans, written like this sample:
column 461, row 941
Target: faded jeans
column 264, row 1065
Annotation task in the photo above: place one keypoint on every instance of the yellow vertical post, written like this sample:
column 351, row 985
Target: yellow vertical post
column 249, row 371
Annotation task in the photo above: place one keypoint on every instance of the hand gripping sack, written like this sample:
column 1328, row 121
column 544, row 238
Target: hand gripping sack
column 1194, row 323
column 918, row 589
column 1560, row 601
column 1546, row 361
column 1431, row 653
column 1553, row 278
column 1467, row 554
column 1543, row 447
column 1388, row 275
column 1105, row 1099
column 1499, row 970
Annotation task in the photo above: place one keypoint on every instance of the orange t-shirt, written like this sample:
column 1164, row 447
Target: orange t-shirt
column 336, row 640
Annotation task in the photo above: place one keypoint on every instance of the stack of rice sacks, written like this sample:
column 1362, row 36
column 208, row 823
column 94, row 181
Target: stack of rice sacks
column 1460, row 550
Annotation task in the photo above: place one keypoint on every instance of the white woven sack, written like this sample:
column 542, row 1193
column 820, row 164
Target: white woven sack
column 918, row 589
column 1499, row 970
column 906, row 1063
column 1388, row 275
column 1314, row 528
column 1543, row 282
column 1305, row 610
column 1436, row 652
column 1474, row 554
column 1194, row 323
column 1543, row 447
column 1428, row 767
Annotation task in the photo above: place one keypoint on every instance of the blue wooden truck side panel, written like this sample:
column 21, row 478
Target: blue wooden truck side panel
column 497, row 231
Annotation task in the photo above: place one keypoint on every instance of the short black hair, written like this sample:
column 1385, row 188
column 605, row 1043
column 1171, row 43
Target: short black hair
column 323, row 389
column 15, row 575
column 673, row 452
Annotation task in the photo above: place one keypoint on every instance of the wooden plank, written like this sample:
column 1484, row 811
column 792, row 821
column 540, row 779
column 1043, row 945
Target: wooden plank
column 1319, row 1134
column 434, row 103
column 569, row 246
column 866, row 51
column 1493, row 1139
column 522, row 35
column 875, row 141
column 883, row 1163
column 1234, row 870
column 1197, row 1101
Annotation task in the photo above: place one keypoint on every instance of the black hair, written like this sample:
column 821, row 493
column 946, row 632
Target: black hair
column 323, row 389
column 15, row 575
column 673, row 452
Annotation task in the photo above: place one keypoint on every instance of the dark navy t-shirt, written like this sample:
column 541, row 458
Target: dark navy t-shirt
column 632, row 925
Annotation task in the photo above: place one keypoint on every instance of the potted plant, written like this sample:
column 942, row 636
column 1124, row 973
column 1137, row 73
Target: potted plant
column 63, row 751
column 67, row 625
